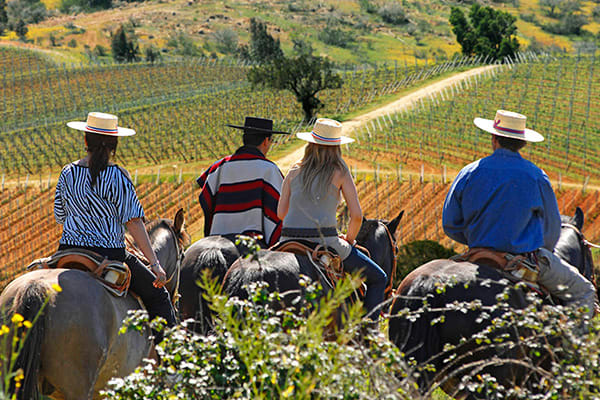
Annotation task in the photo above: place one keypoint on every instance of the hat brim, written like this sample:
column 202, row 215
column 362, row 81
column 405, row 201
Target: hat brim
column 488, row 125
column 308, row 136
column 82, row 126
column 257, row 129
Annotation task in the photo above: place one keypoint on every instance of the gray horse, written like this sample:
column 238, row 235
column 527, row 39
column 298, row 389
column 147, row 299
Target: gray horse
column 75, row 348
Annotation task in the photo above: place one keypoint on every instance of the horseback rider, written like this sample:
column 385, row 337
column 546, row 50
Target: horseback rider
column 239, row 193
column 506, row 203
column 95, row 200
column 309, row 199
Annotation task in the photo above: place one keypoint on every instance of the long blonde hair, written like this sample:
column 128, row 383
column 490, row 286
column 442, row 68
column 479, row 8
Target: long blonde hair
column 320, row 163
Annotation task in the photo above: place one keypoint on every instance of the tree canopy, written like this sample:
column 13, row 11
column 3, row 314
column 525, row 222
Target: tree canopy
column 304, row 75
column 262, row 47
column 489, row 32
column 3, row 16
column 124, row 46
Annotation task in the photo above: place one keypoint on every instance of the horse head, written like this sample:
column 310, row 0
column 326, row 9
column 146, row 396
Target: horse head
column 379, row 237
column 572, row 245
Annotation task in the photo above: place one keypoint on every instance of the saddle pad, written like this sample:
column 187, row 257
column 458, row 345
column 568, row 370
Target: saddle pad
column 115, row 276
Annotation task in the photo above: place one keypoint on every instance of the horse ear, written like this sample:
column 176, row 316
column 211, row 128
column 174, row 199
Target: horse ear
column 578, row 218
column 179, row 220
column 393, row 224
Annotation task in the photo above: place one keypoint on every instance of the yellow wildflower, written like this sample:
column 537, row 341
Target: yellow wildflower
column 288, row 392
column 56, row 287
column 17, row 318
column 4, row 330
column 27, row 324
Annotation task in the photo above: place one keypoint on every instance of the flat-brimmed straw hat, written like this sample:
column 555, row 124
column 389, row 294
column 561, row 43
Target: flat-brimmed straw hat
column 257, row 126
column 101, row 123
column 508, row 124
column 327, row 132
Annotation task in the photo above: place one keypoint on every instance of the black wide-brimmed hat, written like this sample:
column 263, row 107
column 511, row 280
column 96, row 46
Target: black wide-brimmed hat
column 259, row 126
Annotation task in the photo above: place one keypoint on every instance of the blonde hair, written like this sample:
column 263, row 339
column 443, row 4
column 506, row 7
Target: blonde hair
column 319, row 164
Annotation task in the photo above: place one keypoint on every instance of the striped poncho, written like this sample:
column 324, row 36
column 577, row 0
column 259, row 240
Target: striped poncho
column 239, row 195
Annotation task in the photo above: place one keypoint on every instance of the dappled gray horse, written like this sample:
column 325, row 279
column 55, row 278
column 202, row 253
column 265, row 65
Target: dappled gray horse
column 75, row 348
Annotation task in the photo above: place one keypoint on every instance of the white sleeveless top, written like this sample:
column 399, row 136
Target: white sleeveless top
column 315, row 210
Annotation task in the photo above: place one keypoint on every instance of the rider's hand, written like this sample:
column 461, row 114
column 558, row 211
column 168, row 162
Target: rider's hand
column 159, row 272
column 343, row 237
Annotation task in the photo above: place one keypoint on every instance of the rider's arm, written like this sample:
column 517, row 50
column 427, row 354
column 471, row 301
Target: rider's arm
column 452, row 215
column 284, row 199
column 59, row 209
column 551, row 215
column 354, row 210
column 137, row 229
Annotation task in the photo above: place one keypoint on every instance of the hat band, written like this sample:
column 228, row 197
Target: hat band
column 503, row 129
column 325, row 139
column 101, row 130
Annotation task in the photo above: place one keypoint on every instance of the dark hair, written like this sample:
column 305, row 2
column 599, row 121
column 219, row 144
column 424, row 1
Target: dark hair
column 100, row 148
column 254, row 139
column 510, row 143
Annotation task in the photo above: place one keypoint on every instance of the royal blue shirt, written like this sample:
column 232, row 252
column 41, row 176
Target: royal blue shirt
column 502, row 202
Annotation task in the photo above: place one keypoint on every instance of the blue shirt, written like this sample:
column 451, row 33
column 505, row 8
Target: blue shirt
column 502, row 202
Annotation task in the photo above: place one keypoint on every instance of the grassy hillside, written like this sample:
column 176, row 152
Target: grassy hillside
column 348, row 31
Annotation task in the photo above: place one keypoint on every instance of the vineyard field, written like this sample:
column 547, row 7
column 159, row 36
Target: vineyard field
column 28, row 229
column 179, row 109
column 559, row 97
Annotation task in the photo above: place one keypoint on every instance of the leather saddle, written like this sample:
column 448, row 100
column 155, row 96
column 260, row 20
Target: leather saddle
column 115, row 276
column 515, row 267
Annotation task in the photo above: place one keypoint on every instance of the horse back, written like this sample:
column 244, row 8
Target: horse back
column 80, row 348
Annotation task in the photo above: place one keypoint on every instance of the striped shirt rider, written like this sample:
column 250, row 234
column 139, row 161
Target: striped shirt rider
column 95, row 216
column 239, row 195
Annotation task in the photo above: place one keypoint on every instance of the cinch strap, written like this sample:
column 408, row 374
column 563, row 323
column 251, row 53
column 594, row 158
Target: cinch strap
column 325, row 139
column 309, row 232
column 91, row 128
column 500, row 128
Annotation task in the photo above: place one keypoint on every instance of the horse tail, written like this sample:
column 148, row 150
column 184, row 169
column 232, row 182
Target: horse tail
column 28, row 303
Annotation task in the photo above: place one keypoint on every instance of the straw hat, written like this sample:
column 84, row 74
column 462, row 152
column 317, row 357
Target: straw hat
column 257, row 126
column 101, row 123
column 327, row 132
column 509, row 124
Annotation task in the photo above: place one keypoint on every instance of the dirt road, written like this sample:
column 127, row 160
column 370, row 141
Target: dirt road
column 288, row 160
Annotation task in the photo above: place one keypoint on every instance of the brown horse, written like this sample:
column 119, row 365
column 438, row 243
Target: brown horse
column 75, row 346
column 444, row 286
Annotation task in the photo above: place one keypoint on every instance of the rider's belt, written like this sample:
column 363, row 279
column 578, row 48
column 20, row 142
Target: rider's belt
column 517, row 265
column 309, row 232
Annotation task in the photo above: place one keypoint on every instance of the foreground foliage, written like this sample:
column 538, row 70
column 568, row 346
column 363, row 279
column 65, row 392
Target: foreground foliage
column 258, row 353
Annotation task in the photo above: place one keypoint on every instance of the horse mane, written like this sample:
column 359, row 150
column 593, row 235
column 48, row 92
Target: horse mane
column 183, row 238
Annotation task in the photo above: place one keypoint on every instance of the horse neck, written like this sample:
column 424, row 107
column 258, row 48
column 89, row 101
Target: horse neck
column 570, row 248
column 378, row 244
column 165, row 246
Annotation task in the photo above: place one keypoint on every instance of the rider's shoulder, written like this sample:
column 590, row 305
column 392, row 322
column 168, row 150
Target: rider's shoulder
column 122, row 170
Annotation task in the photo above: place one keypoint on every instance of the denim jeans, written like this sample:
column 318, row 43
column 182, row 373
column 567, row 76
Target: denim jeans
column 376, row 279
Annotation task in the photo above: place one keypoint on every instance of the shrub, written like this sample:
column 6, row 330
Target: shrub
column 183, row 44
column 100, row 51
column 569, row 24
column 393, row 13
column 28, row 11
column 414, row 254
column 124, row 46
column 256, row 352
column 337, row 37
column 72, row 43
column 226, row 40
column 596, row 13
column 152, row 54
column 368, row 6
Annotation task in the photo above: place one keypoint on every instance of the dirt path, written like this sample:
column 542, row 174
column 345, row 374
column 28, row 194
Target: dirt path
column 288, row 160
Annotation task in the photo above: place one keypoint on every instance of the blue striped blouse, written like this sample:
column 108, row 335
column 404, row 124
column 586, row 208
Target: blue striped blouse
column 95, row 216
